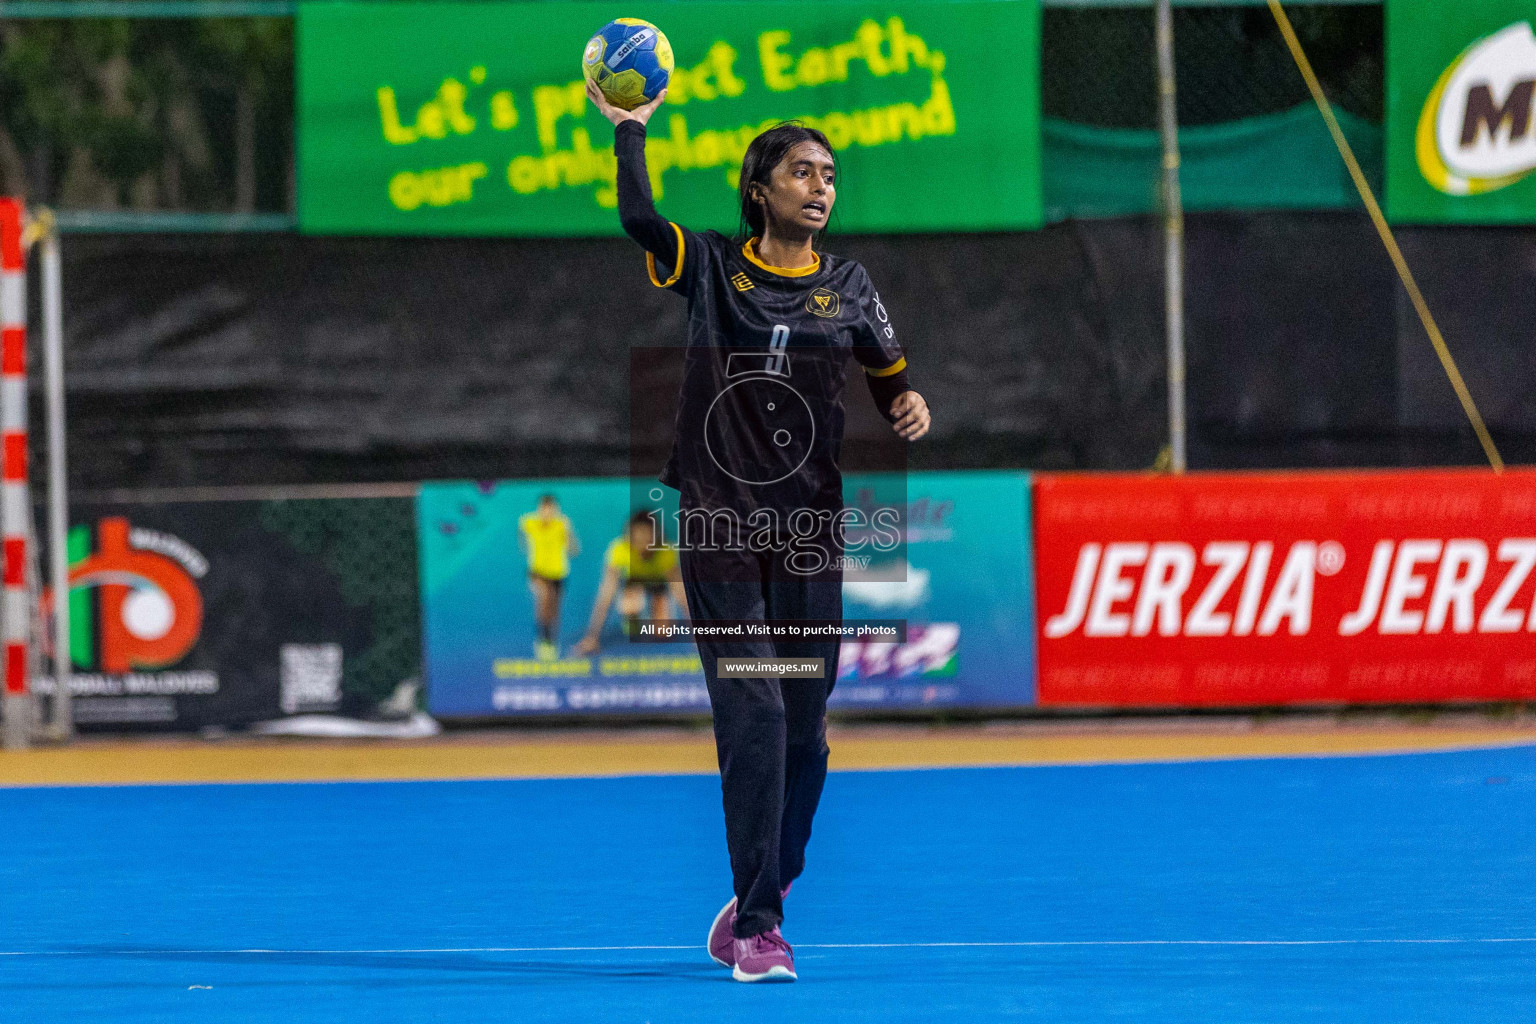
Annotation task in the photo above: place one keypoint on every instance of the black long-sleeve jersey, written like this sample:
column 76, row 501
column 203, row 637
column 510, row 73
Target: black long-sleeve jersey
column 760, row 417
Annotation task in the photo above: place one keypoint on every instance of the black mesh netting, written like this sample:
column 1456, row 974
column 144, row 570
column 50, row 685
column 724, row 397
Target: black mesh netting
column 1098, row 65
column 279, row 359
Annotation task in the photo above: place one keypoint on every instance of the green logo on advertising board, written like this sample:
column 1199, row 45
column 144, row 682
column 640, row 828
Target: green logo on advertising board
column 1460, row 107
column 471, row 118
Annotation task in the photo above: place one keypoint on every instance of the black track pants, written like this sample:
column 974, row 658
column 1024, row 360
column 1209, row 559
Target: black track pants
column 770, row 734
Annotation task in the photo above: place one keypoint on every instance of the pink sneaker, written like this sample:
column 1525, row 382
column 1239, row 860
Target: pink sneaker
column 765, row 957
column 721, row 942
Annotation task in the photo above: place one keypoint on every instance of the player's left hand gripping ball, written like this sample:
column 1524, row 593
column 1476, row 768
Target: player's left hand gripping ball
column 629, row 60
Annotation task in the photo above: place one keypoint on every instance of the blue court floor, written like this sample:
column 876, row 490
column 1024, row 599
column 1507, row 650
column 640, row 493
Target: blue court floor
column 1357, row 889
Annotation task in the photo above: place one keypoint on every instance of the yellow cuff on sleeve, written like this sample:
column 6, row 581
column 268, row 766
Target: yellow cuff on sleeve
column 889, row 371
column 677, row 264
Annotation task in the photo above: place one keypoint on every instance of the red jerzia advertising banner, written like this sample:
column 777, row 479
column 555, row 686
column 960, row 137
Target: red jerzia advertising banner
column 1286, row 588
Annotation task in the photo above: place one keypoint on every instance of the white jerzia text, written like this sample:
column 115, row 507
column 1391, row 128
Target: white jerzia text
column 1412, row 586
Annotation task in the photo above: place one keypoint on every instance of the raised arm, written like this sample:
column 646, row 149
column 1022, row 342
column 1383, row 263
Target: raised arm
column 637, row 210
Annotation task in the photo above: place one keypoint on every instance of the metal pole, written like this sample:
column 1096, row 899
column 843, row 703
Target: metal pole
column 63, row 724
column 1173, row 232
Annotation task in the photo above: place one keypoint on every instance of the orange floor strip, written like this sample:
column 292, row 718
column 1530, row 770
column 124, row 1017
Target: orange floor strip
column 187, row 761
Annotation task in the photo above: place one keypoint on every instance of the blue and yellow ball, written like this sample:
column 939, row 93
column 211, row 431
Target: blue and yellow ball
column 630, row 60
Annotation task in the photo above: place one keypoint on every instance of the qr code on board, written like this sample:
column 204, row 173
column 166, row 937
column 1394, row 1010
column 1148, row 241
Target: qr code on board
column 310, row 675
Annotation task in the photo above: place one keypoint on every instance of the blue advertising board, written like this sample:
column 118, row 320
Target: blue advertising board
column 967, row 597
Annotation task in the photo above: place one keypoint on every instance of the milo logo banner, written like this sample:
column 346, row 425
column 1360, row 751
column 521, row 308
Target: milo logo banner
column 1461, row 144
column 470, row 119
column 221, row 613
column 533, row 591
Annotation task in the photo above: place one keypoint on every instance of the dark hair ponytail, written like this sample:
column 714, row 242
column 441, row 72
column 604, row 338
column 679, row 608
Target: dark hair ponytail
column 765, row 153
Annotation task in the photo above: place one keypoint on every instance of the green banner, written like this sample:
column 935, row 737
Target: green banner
column 469, row 119
column 1283, row 161
column 1460, row 79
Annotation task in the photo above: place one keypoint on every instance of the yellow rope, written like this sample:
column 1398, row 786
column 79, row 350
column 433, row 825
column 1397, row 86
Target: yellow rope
column 1387, row 239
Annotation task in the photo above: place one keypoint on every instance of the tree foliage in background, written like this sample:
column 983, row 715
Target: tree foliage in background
column 148, row 114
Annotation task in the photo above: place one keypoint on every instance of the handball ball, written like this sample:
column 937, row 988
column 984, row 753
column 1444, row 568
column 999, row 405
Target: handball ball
column 629, row 60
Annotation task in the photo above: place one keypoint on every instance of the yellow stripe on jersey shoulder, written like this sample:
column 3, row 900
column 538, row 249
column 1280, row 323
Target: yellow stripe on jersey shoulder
column 677, row 264
column 889, row 371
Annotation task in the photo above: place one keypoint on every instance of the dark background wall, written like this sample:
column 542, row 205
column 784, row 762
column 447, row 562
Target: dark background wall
column 260, row 359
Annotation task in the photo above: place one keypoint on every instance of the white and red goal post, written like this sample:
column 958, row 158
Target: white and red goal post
column 15, row 502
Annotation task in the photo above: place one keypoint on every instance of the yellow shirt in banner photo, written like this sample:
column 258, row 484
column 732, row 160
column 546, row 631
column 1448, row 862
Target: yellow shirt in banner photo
column 649, row 566
column 549, row 542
